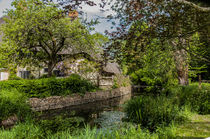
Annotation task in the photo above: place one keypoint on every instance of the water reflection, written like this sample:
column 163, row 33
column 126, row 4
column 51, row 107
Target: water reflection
column 89, row 111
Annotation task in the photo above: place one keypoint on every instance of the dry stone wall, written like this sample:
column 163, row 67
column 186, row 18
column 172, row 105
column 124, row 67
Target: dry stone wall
column 58, row 102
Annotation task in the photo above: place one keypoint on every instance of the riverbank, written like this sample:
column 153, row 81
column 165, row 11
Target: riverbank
column 59, row 102
column 79, row 121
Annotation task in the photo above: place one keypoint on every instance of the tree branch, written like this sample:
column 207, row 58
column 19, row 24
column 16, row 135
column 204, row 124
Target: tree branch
column 203, row 9
column 81, row 54
column 44, row 48
column 61, row 45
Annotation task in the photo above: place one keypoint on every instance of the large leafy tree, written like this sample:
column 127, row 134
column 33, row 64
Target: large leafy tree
column 40, row 34
column 173, row 22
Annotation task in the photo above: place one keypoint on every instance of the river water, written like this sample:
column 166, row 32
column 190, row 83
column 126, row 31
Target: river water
column 106, row 113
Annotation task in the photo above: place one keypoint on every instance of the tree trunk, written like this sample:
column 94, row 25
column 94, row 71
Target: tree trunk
column 183, row 76
column 50, row 69
column 199, row 80
column 182, row 66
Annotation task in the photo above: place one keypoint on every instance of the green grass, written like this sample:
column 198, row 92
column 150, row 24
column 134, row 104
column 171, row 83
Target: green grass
column 30, row 131
column 199, row 127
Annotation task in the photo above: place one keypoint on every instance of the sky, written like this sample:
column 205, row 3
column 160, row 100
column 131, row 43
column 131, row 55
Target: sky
column 92, row 12
column 4, row 4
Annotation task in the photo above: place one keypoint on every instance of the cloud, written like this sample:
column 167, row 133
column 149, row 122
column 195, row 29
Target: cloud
column 95, row 11
column 91, row 11
column 4, row 4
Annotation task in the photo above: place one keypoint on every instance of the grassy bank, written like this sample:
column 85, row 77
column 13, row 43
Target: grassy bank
column 30, row 131
column 175, row 115
column 197, row 127
column 191, row 129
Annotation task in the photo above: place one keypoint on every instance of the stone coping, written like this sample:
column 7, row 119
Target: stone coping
column 58, row 102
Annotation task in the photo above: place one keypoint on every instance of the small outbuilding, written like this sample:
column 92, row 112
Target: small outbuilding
column 4, row 74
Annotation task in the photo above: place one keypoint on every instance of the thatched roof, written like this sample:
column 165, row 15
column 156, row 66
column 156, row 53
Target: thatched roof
column 91, row 53
column 112, row 68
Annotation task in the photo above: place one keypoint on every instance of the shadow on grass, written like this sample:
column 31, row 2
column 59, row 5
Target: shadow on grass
column 190, row 137
column 201, row 123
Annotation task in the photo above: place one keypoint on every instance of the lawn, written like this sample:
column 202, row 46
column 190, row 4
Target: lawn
column 198, row 127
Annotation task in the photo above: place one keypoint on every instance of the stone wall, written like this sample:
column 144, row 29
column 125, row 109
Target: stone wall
column 57, row 102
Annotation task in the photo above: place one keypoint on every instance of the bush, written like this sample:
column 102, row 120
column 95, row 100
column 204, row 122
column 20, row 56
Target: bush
column 50, row 86
column 13, row 103
column 152, row 112
column 14, row 77
column 155, row 78
column 121, row 81
column 197, row 99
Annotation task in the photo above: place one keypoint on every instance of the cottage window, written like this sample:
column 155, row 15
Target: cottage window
column 45, row 70
column 25, row 74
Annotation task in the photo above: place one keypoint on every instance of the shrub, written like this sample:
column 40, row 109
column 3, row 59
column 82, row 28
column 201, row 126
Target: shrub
column 155, row 79
column 50, row 86
column 121, row 81
column 43, row 76
column 13, row 103
column 197, row 99
column 152, row 112
column 14, row 77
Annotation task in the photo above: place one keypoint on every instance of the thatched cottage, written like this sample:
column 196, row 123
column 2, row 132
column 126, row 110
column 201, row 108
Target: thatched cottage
column 67, row 67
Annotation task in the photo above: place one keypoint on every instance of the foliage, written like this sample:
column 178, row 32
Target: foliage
column 22, row 131
column 156, row 68
column 40, row 34
column 13, row 76
column 197, row 64
column 143, row 22
column 193, row 96
column 13, row 103
column 29, row 130
column 152, row 112
column 164, row 23
column 50, row 86
column 121, row 81
column 60, row 123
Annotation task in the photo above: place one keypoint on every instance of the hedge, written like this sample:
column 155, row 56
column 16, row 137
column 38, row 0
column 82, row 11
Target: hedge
column 50, row 86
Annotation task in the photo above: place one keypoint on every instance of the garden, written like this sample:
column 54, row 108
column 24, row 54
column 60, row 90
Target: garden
column 160, row 70
column 183, row 112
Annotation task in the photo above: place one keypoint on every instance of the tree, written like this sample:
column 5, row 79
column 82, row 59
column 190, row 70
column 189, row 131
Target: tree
column 40, row 34
column 173, row 21
column 149, row 64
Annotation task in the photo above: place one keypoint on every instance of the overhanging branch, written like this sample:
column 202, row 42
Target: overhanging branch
column 203, row 9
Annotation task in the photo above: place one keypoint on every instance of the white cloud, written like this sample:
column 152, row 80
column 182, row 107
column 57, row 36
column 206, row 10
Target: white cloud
column 4, row 4
column 95, row 10
column 92, row 12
